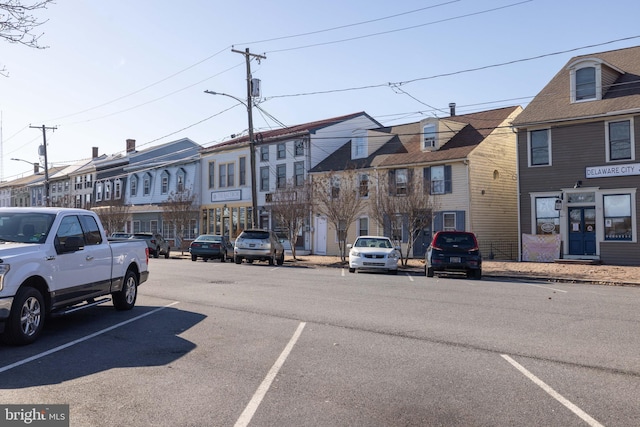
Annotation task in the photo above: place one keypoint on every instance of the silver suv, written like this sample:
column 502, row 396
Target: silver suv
column 258, row 245
column 157, row 245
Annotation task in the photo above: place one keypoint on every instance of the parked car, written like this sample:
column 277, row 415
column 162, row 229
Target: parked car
column 373, row 253
column 454, row 251
column 210, row 246
column 258, row 245
column 156, row 243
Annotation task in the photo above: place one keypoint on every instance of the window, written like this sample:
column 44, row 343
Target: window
column 282, row 151
column 212, row 174
column 437, row 179
column 335, row 187
column 146, row 185
column 92, row 233
column 298, row 173
column 164, row 187
column 222, row 178
column 617, row 217
column 99, row 192
column 298, row 148
column 402, row 179
column 264, row 153
column 449, row 221
column 133, row 185
column 180, row 178
column 547, row 217
column 242, row 162
column 619, row 140
column 281, row 176
column 363, row 226
column 78, row 183
column 359, row 147
column 396, row 228
column 264, row 179
column 429, row 132
column 363, row 185
column 107, row 190
column 231, row 175
column 539, row 147
column 341, row 232
column 117, row 189
column 585, row 83
column 88, row 183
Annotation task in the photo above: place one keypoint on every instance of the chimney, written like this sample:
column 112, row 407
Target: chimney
column 452, row 109
column 131, row 145
column 94, row 152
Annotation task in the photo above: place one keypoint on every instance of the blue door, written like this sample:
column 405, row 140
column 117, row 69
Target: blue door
column 582, row 231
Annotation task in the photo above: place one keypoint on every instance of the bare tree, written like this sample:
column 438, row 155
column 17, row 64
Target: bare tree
column 180, row 210
column 290, row 207
column 113, row 217
column 17, row 23
column 403, row 201
column 336, row 195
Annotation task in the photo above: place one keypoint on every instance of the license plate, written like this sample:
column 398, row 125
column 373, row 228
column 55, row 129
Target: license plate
column 205, row 246
column 252, row 245
column 455, row 259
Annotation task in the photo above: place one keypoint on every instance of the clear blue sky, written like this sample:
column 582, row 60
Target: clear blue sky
column 138, row 69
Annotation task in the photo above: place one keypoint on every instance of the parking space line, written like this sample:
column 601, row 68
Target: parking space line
column 573, row 408
column 410, row 277
column 79, row 340
column 342, row 271
column 252, row 407
column 543, row 287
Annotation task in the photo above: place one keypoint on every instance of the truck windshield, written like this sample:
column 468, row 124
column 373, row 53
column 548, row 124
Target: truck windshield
column 25, row 227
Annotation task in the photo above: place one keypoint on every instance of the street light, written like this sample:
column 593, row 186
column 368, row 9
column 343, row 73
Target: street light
column 36, row 168
column 252, row 155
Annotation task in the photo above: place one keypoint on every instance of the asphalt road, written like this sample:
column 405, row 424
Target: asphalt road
column 219, row 344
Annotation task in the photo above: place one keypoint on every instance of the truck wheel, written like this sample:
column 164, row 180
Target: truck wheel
column 167, row 254
column 26, row 320
column 125, row 298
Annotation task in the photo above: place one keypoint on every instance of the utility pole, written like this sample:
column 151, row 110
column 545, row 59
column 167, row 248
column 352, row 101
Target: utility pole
column 46, row 165
column 252, row 146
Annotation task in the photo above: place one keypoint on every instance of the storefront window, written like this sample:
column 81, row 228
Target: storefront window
column 617, row 217
column 547, row 217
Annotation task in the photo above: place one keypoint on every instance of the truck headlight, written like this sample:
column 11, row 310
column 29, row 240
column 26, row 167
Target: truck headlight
column 4, row 269
column 355, row 253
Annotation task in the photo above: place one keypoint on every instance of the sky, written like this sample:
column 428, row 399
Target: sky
column 138, row 69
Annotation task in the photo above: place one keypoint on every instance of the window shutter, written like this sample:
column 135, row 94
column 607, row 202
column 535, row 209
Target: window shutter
column 426, row 172
column 405, row 228
column 437, row 222
column 392, row 182
column 447, row 179
column 460, row 220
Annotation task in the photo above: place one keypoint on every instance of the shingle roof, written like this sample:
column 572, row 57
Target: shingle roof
column 265, row 136
column 404, row 145
column 553, row 103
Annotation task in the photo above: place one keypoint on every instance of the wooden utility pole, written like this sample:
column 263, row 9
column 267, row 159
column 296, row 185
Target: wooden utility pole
column 46, row 165
column 252, row 146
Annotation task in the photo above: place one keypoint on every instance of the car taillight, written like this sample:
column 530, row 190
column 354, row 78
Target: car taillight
column 146, row 252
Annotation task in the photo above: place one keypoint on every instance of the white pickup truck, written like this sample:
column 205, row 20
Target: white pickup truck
column 54, row 261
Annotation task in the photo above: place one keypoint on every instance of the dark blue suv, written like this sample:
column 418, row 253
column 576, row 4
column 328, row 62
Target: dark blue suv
column 454, row 251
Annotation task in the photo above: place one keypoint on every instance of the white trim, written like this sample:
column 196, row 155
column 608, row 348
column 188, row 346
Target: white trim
column 631, row 139
column 529, row 160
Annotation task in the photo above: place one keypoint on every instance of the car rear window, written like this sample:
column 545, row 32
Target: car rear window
column 457, row 240
column 261, row 235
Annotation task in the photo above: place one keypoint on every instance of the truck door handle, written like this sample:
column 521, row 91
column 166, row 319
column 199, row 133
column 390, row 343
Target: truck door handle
column 89, row 258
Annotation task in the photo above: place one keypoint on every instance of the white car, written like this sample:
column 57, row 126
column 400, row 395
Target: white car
column 373, row 253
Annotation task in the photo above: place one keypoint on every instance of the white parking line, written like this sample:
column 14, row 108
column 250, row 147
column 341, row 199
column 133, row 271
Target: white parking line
column 573, row 408
column 79, row 340
column 252, row 407
column 342, row 272
column 543, row 287
column 410, row 277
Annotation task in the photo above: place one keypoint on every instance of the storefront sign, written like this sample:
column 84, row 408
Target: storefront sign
column 613, row 170
column 225, row 196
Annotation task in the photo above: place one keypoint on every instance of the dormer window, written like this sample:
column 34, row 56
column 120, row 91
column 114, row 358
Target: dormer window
column 429, row 137
column 585, row 83
column 359, row 147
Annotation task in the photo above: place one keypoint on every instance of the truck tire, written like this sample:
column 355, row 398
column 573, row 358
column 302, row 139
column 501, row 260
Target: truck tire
column 125, row 298
column 167, row 254
column 26, row 320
